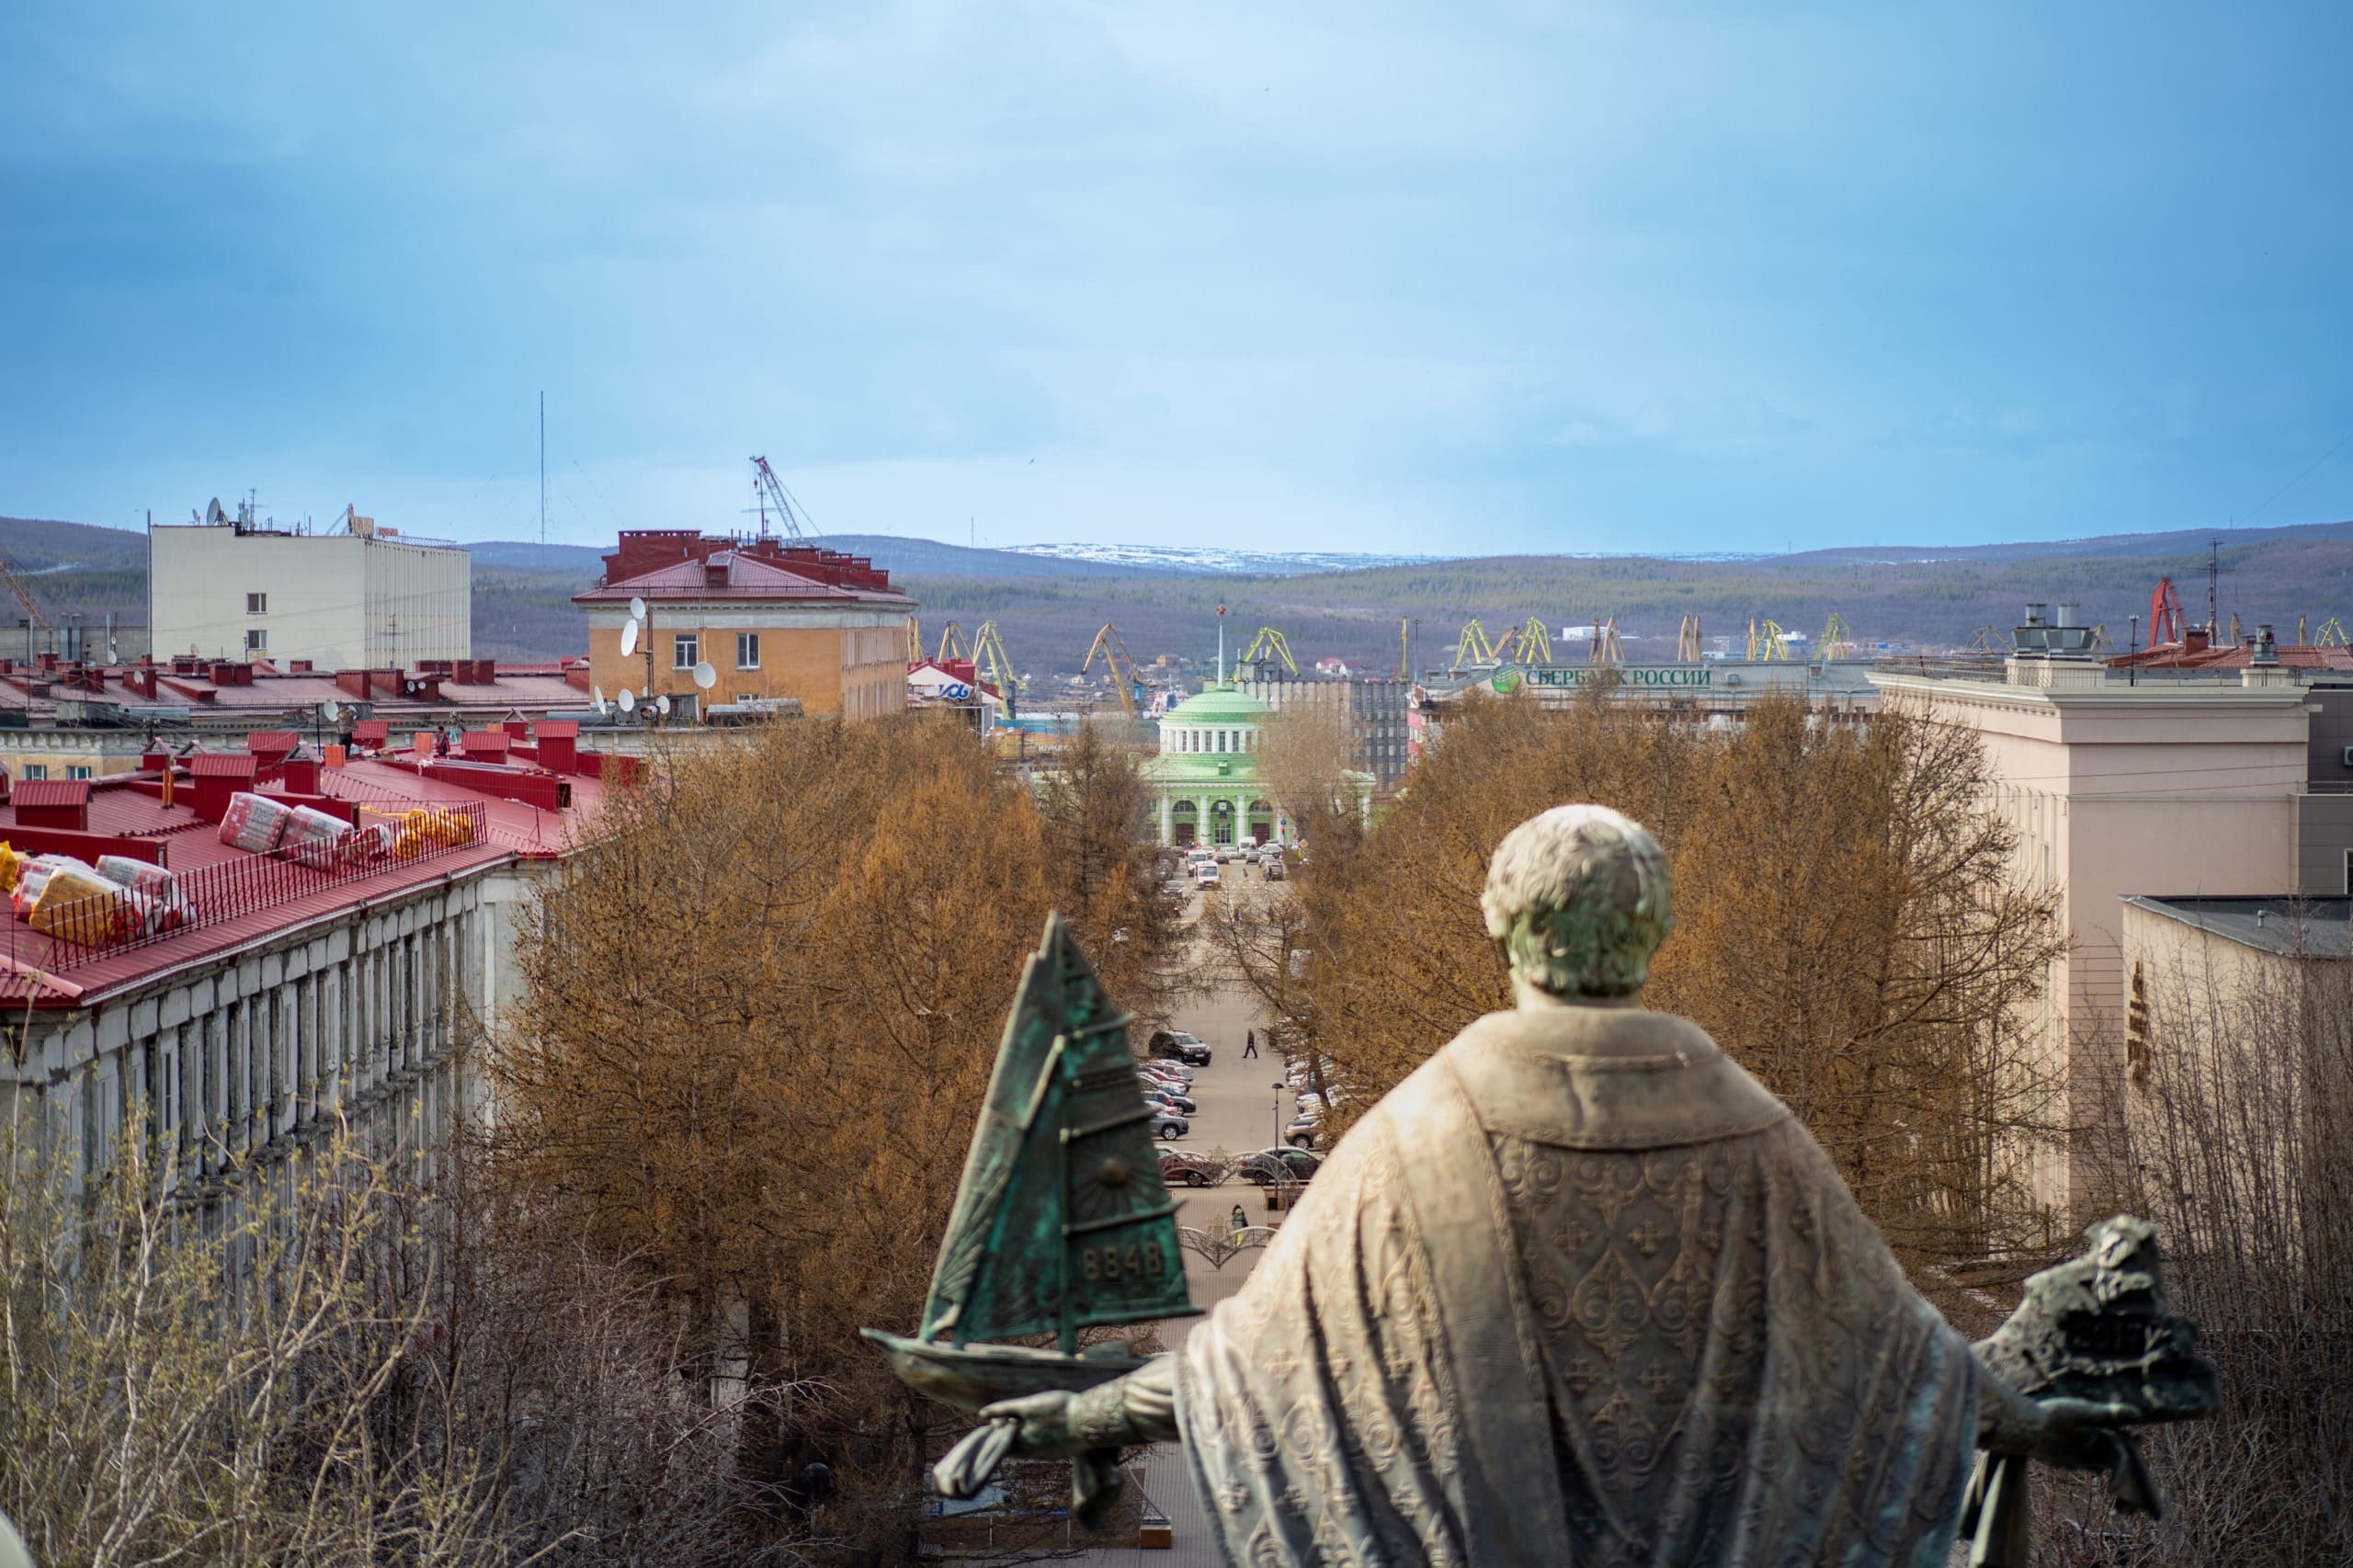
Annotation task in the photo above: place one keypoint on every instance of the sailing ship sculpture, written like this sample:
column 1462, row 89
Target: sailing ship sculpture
column 1062, row 1224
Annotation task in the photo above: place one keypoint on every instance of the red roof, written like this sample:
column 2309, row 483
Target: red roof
column 2230, row 657
column 736, row 575
column 35, row 968
column 39, row 792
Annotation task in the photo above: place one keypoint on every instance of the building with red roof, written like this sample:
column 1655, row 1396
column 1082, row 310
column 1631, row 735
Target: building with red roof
column 772, row 619
column 248, row 998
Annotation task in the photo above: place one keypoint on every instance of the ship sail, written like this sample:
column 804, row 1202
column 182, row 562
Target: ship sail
column 1061, row 1222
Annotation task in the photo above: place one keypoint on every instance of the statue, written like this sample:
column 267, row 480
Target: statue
column 1581, row 1290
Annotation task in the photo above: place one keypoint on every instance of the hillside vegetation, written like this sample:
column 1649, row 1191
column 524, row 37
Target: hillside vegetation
column 1048, row 610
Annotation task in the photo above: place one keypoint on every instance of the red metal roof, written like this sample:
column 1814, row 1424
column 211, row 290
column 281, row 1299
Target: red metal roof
column 34, row 968
column 733, row 574
column 39, row 792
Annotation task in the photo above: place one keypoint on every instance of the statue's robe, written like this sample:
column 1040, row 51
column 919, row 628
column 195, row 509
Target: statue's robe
column 1580, row 1291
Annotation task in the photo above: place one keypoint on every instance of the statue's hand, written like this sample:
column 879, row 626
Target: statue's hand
column 1042, row 1423
column 2081, row 1433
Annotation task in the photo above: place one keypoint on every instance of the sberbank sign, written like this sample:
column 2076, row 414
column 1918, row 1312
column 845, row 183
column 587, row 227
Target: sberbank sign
column 1685, row 676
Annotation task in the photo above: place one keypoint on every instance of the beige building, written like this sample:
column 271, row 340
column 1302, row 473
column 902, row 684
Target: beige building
column 2119, row 782
column 232, row 588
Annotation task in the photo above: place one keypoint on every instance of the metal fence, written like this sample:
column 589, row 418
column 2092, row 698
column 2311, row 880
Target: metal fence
column 78, row 930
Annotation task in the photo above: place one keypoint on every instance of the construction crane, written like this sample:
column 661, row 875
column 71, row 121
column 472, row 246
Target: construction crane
column 2332, row 634
column 1766, row 641
column 915, row 642
column 2164, row 615
column 1472, row 649
column 1535, row 642
column 1109, row 644
column 2101, row 646
column 24, row 597
column 988, row 651
column 951, row 643
column 1835, row 640
column 1606, row 649
column 1991, row 639
column 1686, row 642
column 768, row 490
column 1406, row 648
column 1268, row 644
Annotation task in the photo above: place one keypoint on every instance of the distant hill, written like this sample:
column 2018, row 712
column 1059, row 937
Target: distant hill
column 1048, row 608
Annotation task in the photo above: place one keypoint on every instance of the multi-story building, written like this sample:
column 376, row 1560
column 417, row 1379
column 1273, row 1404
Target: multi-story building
column 773, row 621
column 290, row 990
column 1208, row 780
column 2145, row 778
column 236, row 588
column 1371, row 712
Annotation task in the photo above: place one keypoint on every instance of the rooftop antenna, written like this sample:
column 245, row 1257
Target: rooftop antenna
column 1220, row 644
column 2214, row 585
column 543, row 481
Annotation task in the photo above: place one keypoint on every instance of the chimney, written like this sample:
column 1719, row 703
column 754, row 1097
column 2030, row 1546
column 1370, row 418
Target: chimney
column 559, row 744
column 54, row 802
column 302, row 775
column 2033, row 633
column 2195, row 640
column 213, row 777
column 268, row 748
column 2267, row 649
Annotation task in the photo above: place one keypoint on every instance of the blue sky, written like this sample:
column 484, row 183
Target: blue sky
column 1459, row 279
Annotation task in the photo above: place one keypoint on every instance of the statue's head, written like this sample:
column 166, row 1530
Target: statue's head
column 1577, row 897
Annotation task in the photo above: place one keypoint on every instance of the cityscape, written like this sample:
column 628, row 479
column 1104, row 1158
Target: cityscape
column 1412, row 814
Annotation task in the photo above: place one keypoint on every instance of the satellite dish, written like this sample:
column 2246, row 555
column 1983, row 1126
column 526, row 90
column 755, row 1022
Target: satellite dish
column 628, row 640
column 329, row 711
column 705, row 676
column 662, row 704
column 629, row 703
column 637, row 609
column 596, row 696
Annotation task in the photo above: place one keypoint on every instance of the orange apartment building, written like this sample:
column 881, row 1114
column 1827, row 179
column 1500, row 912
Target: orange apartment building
column 774, row 618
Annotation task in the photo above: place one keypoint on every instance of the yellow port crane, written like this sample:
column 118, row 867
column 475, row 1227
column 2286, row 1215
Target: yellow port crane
column 1535, row 642
column 1472, row 649
column 1991, row 639
column 1686, row 642
column 1109, row 644
column 1606, row 647
column 989, row 654
column 915, row 642
column 1836, row 641
column 1268, row 645
column 951, row 643
column 2332, row 634
column 1406, row 648
column 1766, row 641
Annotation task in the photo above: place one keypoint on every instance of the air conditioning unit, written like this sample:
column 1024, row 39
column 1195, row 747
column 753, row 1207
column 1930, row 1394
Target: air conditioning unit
column 2348, row 757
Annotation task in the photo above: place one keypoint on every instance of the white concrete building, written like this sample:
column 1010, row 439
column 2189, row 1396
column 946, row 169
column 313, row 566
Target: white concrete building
column 367, row 598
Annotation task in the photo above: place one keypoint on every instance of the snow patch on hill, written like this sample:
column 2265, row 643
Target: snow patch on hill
column 1211, row 559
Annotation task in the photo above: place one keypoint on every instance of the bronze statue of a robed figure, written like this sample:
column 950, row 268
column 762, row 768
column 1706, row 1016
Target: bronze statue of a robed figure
column 1581, row 1290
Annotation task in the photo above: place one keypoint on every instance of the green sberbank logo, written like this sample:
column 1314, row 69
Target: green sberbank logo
column 1506, row 682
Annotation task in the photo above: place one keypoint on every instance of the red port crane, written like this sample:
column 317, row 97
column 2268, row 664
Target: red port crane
column 2164, row 615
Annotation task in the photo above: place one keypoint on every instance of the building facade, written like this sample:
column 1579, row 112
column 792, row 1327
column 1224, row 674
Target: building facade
column 1208, row 780
column 774, row 621
column 1373, row 714
column 233, row 589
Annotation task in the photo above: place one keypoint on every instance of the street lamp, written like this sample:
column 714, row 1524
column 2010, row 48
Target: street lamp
column 1278, row 1111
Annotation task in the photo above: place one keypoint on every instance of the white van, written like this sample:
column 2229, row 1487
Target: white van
column 1205, row 874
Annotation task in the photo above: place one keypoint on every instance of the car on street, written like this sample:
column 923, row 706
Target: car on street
column 1205, row 875
column 1168, row 1124
column 1179, row 1045
column 1274, row 867
column 1269, row 1166
column 1191, row 1170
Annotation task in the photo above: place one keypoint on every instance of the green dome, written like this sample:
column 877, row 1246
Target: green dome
column 1219, row 704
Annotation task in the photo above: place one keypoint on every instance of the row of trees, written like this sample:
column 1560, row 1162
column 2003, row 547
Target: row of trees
column 1845, row 925
column 723, row 1134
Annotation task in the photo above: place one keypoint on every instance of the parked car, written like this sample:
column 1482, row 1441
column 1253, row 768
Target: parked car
column 1304, row 1132
column 1192, row 1170
column 1269, row 1166
column 1181, row 1104
column 1168, row 1124
column 1173, row 1073
column 1178, row 1045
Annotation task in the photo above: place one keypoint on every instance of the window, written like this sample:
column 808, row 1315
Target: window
column 256, row 604
column 36, row 770
column 748, row 649
column 76, row 770
column 257, row 639
column 684, row 651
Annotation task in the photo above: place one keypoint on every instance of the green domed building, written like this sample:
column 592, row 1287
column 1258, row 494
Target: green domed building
column 1206, row 781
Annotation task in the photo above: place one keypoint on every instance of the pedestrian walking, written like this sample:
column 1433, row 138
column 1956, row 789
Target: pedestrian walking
column 1250, row 1043
column 1240, row 1221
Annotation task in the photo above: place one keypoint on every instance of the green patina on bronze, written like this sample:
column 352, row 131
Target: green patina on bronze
column 1062, row 1220
column 1577, row 897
